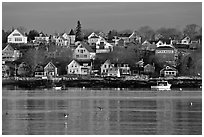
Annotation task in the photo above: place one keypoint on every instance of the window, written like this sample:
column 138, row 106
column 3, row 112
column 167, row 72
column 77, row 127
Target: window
column 85, row 56
column 77, row 56
column 104, row 66
column 18, row 39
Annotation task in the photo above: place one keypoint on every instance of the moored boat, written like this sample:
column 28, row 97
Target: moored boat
column 162, row 85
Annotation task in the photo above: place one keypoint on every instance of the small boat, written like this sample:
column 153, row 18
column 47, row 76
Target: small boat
column 162, row 85
column 57, row 88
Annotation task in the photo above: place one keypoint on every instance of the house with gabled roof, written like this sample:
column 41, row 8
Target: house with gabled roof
column 186, row 40
column 42, row 38
column 146, row 42
column 10, row 54
column 61, row 41
column 105, row 67
column 134, row 37
column 168, row 72
column 50, row 70
column 72, row 37
column 102, row 46
column 83, row 52
column 17, row 37
column 80, row 67
column 93, row 38
column 39, row 71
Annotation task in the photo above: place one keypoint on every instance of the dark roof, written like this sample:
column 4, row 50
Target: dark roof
column 71, row 32
column 165, row 47
column 87, row 47
column 167, row 41
column 183, row 46
column 153, row 41
column 81, row 62
column 94, row 36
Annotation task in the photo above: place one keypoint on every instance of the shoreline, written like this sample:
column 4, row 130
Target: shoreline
column 185, row 82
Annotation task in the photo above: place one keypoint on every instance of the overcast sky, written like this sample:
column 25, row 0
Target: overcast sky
column 51, row 17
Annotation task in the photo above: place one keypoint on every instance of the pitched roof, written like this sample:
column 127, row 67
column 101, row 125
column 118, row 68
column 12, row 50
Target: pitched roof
column 20, row 32
column 87, row 47
column 8, row 46
column 71, row 32
column 50, row 64
column 81, row 62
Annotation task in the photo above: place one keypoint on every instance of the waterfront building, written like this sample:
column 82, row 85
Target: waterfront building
column 50, row 70
column 168, row 72
column 80, row 67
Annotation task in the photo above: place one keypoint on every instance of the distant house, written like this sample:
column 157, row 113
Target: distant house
column 124, row 69
column 105, row 67
column 42, row 38
column 168, row 72
column 114, row 72
column 114, row 69
column 50, row 70
column 102, row 46
column 39, row 71
column 61, row 41
column 83, row 51
column 81, row 67
column 149, row 69
column 159, row 43
column 119, row 42
column 10, row 54
column 93, row 38
column 186, row 40
column 72, row 37
column 17, row 37
column 134, row 37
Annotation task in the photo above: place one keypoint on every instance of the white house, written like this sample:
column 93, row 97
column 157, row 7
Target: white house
column 186, row 40
column 83, row 52
column 102, row 46
column 17, row 37
column 79, row 67
column 42, row 38
column 61, row 41
column 134, row 37
column 159, row 43
column 93, row 38
column 10, row 54
column 105, row 67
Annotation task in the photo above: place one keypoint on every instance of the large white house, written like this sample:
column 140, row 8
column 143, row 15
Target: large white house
column 79, row 67
column 17, row 37
column 102, row 46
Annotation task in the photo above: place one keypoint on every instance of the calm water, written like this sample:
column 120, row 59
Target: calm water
column 106, row 111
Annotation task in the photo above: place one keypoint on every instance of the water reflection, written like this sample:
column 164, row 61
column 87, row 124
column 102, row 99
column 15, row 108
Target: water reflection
column 101, row 112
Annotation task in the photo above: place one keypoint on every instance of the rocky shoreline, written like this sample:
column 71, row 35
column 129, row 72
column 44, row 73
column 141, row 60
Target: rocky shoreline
column 101, row 83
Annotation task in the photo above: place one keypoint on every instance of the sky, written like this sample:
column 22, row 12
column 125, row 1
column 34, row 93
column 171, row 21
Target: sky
column 60, row 16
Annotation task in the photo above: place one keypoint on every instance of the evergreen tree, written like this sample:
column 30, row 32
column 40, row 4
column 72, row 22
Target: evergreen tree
column 78, row 32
